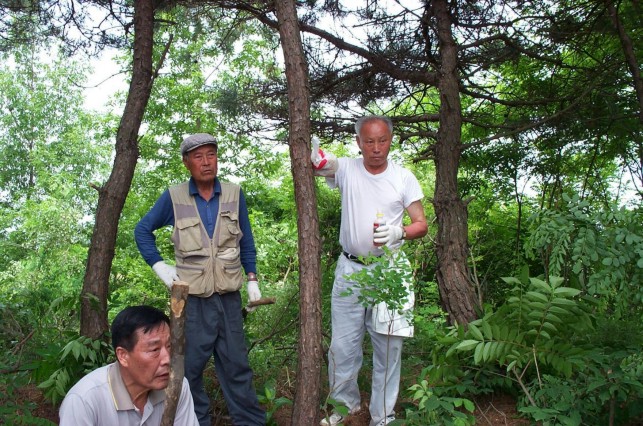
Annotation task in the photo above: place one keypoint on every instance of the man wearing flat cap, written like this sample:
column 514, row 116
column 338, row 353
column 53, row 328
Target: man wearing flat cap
column 213, row 246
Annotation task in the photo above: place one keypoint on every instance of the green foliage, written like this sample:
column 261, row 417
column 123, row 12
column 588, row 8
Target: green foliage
column 611, row 384
column 77, row 358
column 575, row 355
column 547, row 343
column 69, row 364
column 435, row 409
column 271, row 403
column 331, row 406
column 15, row 410
column 36, row 324
column 538, row 326
column 599, row 251
column 12, row 413
column 386, row 280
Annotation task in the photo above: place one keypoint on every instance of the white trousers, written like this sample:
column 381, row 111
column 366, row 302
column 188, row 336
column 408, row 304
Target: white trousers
column 350, row 320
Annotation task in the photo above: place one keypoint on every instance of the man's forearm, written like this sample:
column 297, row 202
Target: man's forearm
column 415, row 230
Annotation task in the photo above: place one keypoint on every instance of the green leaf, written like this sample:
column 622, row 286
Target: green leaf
column 558, row 310
column 511, row 365
column 537, row 296
column 76, row 350
column 486, row 352
column 553, row 318
column 549, row 326
column 501, row 348
column 596, row 383
column 537, row 305
column 486, row 328
column 541, row 284
column 466, row 345
column 564, row 302
column 566, row 292
column 475, row 331
column 477, row 354
column 469, row 406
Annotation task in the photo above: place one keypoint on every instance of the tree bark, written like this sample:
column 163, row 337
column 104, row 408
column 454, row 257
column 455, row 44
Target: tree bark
column 452, row 246
column 111, row 198
column 178, row 299
column 630, row 54
column 305, row 409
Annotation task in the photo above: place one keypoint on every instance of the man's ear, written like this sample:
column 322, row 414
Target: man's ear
column 122, row 355
column 359, row 144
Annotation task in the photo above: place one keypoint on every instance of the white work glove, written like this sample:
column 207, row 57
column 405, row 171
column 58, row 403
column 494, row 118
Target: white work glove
column 167, row 273
column 317, row 156
column 387, row 234
column 253, row 294
column 324, row 164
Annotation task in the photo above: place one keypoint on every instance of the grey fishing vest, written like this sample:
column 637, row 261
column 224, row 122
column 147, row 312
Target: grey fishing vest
column 207, row 265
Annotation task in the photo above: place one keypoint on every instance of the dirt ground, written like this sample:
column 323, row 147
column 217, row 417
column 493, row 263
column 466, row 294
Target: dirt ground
column 498, row 410
column 490, row 411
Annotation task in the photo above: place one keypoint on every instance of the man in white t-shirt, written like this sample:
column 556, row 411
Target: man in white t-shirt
column 130, row 391
column 369, row 186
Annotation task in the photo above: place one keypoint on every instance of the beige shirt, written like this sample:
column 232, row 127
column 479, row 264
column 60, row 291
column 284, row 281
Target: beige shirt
column 101, row 398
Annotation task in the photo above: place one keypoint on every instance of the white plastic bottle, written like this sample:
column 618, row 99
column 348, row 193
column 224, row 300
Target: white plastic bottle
column 379, row 221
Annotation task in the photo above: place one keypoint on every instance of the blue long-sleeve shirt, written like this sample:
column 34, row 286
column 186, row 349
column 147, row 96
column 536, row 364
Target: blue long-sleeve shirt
column 162, row 214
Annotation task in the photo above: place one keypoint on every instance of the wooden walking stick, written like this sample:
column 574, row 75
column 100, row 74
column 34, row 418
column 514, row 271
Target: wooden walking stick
column 178, row 299
column 260, row 302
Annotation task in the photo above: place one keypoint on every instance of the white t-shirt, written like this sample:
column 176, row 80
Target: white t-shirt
column 364, row 195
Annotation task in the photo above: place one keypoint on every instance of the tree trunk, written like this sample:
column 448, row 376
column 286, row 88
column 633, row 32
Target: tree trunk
column 178, row 300
column 305, row 409
column 452, row 246
column 629, row 52
column 111, row 198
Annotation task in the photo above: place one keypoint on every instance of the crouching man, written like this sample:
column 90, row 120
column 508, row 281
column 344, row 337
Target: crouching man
column 131, row 391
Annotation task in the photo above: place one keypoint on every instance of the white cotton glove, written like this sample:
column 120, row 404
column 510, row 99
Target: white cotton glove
column 167, row 273
column 253, row 294
column 324, row 164
column 317, row 156
column 388, row 234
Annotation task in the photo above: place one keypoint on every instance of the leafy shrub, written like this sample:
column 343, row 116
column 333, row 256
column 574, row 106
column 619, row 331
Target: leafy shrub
column 268, row 398
column 15, row 410
column 388, row 280
column 547, row 343
column 538, row 327
column 608, row 391
column 433, row 408
column 598, row 252
column 65, row 367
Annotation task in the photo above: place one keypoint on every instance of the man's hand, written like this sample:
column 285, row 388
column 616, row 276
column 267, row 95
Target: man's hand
column 253, row 294
column 167, row 273
column 324, row 164
column 317, row 156
column 387, row 234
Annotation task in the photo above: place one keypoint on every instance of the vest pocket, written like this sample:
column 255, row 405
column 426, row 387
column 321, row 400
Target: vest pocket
column 193, row 275
column 228, row 274
column 189, row 234
column 229, row 230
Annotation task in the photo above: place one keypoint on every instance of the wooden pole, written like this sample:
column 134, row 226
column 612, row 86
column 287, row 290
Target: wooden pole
column 260, row 302
column 178, row 299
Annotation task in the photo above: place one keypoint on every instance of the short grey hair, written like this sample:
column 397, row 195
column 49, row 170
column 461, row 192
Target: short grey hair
column 368, row 118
